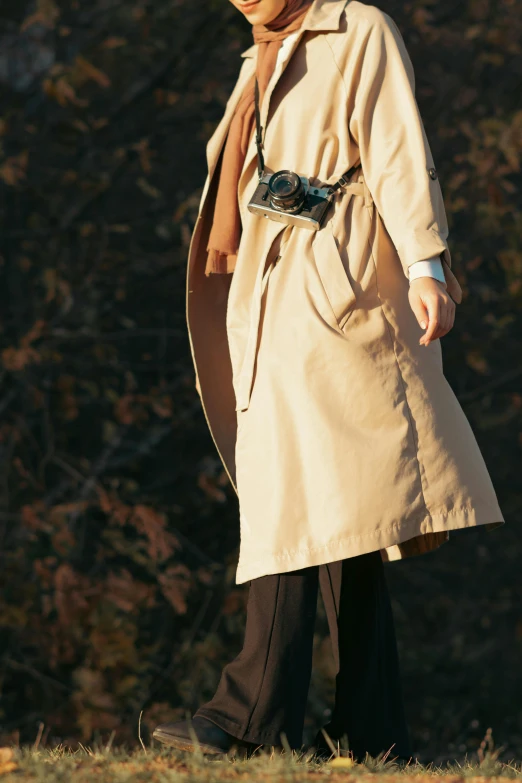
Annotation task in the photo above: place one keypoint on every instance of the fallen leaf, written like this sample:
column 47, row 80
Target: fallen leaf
column 7, row 762
column 342, row 762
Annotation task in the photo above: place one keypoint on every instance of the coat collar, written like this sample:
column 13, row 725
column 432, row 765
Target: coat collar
column 322, row 15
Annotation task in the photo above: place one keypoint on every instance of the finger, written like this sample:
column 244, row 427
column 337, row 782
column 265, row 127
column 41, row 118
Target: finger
column 444, row 321
column 434, row 319
column 419, row 310
column 449, row 314
column 446, row 315
column 452, row 314
column 439, row 332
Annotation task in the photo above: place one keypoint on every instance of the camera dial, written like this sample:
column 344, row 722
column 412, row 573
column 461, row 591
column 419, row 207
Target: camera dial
column 286, row 191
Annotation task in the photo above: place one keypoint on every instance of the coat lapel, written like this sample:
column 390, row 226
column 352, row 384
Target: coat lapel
column 323, row 16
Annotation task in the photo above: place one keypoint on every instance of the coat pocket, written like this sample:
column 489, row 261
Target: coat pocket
column 333, row 275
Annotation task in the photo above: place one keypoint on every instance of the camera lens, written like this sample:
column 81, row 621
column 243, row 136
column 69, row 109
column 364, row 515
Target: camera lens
column 286, row 191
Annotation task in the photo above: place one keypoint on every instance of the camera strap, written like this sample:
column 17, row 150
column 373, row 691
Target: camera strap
column 259, row 137
column 341, row 182
column 344, row 179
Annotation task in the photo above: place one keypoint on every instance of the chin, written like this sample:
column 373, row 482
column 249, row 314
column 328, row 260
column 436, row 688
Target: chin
column 257, row 16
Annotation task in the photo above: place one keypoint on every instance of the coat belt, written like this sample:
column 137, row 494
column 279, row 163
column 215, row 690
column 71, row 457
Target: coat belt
column 244, row 386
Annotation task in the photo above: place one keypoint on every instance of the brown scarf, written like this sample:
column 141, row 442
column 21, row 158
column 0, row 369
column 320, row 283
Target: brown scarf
column 225, row 233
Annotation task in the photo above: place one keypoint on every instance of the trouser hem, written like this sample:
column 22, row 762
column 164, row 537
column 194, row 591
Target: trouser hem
column 236, row 730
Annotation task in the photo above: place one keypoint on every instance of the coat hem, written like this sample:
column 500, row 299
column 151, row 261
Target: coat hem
column 381, row 539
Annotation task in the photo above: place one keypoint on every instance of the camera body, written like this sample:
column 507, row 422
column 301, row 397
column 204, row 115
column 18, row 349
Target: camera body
column 288, row 198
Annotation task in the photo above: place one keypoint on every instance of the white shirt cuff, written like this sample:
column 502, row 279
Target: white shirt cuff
column 432, row 267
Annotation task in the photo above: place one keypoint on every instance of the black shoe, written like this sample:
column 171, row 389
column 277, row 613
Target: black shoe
column 205, row 736
column 323, row 752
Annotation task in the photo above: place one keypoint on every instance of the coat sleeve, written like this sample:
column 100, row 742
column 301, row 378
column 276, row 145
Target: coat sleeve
column 394, row 150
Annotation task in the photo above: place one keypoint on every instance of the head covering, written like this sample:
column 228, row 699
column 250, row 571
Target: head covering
column 225, row 232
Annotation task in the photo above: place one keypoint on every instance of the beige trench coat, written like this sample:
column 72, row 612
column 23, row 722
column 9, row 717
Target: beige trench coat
column 338, row 431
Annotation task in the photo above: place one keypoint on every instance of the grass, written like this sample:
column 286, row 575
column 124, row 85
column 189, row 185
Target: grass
column 161, row 765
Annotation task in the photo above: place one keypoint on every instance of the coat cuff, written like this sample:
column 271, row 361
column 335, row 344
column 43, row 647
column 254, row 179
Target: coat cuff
column 427, row 244
column 432, row 267
column 424, row 245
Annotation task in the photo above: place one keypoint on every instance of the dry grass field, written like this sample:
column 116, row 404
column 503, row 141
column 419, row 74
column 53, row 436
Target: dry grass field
column 160, row 765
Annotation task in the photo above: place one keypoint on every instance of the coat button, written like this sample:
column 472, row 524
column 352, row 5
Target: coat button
column 433, row 173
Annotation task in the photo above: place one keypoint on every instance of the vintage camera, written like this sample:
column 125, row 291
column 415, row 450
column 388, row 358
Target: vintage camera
column 288, row 198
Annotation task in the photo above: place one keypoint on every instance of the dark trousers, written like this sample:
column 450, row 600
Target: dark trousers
column 263, row 691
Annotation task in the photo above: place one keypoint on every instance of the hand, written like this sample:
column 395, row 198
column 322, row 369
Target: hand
column 433, row 308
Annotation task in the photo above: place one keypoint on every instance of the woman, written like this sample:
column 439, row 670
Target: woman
column 318, row 363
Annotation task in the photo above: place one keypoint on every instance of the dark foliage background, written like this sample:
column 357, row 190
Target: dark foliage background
column 118, row 529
